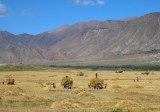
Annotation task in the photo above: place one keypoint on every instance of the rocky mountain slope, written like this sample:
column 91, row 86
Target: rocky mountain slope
column 118, row 37
column 92, row 42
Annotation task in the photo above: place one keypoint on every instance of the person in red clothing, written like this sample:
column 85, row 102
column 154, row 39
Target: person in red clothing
column 105, row 85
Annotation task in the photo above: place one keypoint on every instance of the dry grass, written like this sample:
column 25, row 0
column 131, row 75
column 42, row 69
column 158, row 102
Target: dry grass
column 116, row 86
column 33, row 75
column 40, row 99
column 77, row 91
column 115, row 78
column 11, row 93
column 67, row 104
column 33, row 92
column 131, row 93
column 86, row 94
column 127, row 104
column 82, row 93
column 135, row 86
column 52, row 75
column 48, row 83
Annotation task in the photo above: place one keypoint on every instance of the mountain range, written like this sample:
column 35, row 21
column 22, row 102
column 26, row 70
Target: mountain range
column 112, row 42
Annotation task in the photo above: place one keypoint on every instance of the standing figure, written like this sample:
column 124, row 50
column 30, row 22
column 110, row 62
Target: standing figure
column 3, row 82
column 105, row 85
column 89, row 85
column 137, row 79
column 54, row 85
column 96, row 75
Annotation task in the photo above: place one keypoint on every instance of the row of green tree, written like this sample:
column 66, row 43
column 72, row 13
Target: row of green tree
column 21, row 67
column 113, row 67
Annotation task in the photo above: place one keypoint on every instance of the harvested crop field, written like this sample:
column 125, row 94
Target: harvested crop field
column 33, row 92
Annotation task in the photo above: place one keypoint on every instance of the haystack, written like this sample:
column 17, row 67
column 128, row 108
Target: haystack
column 119, row 71
column 10, row 81
column 146, row 72
column 80, row 74
column 67, row 81
column 96, row 81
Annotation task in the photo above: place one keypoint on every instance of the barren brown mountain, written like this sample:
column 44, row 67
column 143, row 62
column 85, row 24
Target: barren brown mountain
column 135, row 41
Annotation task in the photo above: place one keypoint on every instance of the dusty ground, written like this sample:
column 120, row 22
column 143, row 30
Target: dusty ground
column 32, row 92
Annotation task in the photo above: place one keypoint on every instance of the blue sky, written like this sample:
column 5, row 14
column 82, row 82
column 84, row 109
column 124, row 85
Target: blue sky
column 37, row 16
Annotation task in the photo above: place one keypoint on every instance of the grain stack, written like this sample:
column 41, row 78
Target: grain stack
column 146, row 72
column 67, row 82
column 10, row 81
column 97, row 83
column 119, row 71
column 80, row 74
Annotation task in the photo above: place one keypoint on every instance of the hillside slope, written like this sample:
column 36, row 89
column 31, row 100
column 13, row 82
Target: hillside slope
column 92, row 42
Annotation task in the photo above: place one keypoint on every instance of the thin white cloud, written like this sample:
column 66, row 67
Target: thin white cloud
column 77, row 2
column 89, row 2
column 100, row 2
column 3, row 11
column 24, row 13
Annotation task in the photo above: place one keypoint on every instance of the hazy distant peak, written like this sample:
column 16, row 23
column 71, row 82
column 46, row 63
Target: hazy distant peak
column 128, row 19
column 65, row 26
column 24, row 34
column 87, row 22
column 5, row 33
column 153, row 13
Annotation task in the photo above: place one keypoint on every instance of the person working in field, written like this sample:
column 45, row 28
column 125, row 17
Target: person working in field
column 105, row 85
column 137, row 79
column 54, row 85
column 89, row 86
column 3, row 82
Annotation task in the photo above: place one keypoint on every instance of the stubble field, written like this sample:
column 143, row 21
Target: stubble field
column 33, row 92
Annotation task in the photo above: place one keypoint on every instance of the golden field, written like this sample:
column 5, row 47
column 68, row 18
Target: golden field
column 33, row 92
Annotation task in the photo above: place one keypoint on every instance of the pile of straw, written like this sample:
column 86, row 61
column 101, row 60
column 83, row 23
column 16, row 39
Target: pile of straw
column 67, row 104
column 119, row 71
column 66, row 80
column 80, row 74
column 95, row 81
column 10, row 81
